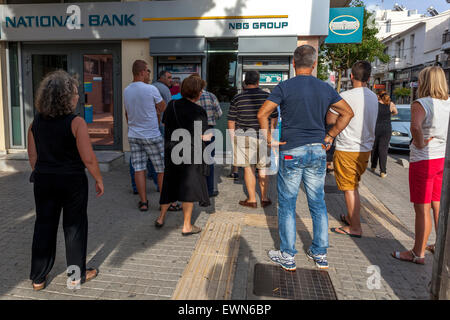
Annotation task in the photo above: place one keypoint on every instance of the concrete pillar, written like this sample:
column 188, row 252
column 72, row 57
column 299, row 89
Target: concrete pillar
column 132, row 50
column 3, row 99
column 312, row 41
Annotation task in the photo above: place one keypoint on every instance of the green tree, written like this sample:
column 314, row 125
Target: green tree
column 342, row 56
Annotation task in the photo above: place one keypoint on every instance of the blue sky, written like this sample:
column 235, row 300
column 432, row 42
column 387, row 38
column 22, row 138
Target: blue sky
column 421, row 5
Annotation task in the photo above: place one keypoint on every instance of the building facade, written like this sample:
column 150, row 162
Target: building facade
column 411, row 50
column 98, row 42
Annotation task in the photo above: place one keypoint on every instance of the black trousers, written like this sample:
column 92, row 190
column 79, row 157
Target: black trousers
column 380, row 148
column 53, row 193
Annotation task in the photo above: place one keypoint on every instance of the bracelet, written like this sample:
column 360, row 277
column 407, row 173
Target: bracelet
column 330, row 136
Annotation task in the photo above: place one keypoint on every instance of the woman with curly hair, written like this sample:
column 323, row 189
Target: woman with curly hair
column 59, row 150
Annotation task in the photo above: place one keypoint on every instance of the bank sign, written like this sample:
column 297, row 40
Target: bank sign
column 346, row 25
column 177, row 18
column 67, row 21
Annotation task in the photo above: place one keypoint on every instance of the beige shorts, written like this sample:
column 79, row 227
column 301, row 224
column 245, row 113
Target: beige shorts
column 249, row 151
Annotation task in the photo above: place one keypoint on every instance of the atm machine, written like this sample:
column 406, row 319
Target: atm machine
column 180, row 67
column 272, row 70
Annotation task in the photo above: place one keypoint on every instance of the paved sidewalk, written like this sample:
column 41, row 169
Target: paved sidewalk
column 137, row 261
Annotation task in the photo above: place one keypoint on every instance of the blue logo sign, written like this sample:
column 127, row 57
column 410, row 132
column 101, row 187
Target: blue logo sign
column 346, row 25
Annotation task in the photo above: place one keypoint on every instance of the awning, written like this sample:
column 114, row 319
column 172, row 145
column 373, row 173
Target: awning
column 189, row 46
column 275, row 46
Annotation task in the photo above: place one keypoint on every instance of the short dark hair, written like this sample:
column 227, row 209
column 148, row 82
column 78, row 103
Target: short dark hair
column 304, row 56
column 251, row 77
column 139, row 66
column 162, row 74
column 361, row 70
column 192, row 86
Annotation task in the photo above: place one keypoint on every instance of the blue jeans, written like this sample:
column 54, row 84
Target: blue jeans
column 305, row 164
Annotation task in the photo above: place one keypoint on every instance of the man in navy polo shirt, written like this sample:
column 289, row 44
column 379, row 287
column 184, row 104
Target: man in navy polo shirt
column 304, row 102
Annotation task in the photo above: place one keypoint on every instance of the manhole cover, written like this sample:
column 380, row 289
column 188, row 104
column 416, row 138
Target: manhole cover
column 304, row 284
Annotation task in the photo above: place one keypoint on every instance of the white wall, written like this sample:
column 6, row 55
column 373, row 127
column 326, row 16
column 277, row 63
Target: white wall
column 427, row 41
column 400, row 21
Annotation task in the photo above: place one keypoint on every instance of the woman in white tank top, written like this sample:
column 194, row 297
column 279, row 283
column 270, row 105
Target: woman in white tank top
column 429, row 129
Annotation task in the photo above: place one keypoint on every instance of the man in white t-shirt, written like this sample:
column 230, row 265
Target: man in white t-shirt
column 143, row 103
column 354, row 144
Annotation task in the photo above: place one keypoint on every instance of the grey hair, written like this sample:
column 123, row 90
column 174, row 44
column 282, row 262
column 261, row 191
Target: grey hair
column 162, row 73
column 55, row 93
column 304, row 56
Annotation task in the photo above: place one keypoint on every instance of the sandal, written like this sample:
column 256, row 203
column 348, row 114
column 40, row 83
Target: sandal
column 345, row 233
column 246, row 203
column 194, row 230
column 415, row 258
column 176, row 207
column 344, row 219
column 141, row 205
column 39, row 286
column 88, row 277
column 158, row 225
column 431, row 248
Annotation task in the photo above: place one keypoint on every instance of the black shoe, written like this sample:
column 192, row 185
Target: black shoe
column 135, row 192
column 234, row 176
column 204, row 204
column 214, row 194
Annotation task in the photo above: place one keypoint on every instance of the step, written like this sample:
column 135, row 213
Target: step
column 18, row 162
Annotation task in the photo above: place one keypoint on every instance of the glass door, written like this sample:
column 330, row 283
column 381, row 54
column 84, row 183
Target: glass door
column 99, row 98
column 97, row 69
column 221, row 75
column 42, row 64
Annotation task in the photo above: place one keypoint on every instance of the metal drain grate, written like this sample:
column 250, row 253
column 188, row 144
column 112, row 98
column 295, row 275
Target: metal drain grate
column 304, row 284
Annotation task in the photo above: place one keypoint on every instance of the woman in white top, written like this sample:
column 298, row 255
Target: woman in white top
column 429, row 127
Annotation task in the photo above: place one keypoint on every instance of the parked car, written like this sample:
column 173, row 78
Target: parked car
column 401, row 133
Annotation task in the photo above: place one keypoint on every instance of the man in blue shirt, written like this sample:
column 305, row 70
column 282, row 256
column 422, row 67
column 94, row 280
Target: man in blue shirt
column 304, row 103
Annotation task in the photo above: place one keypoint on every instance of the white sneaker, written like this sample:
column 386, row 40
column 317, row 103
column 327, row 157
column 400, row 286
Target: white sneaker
column 285, row 260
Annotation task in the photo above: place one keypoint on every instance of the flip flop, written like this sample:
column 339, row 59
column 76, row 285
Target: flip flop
column 342, row 216
column 345, row 233
column 194, row 230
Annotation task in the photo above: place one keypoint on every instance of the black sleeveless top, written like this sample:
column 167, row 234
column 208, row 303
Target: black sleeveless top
column 56, row 146
column 384, row 115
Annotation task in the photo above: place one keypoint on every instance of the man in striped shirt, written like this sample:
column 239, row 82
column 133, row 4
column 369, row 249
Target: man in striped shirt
column 244, row 126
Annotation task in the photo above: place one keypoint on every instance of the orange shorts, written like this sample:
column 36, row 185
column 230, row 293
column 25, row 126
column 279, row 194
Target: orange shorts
column 349, row 167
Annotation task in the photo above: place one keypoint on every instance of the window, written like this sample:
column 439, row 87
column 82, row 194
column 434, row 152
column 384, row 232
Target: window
column 399, row 48
column 388, row 26
column 15, row 105
column 411, row 48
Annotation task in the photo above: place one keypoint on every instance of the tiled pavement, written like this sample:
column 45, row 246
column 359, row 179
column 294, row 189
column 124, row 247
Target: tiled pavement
column 137, row 261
